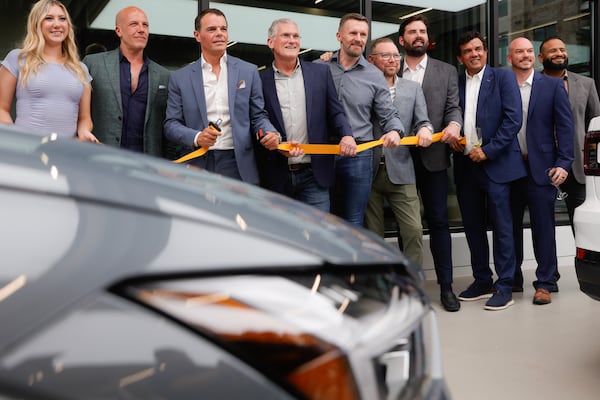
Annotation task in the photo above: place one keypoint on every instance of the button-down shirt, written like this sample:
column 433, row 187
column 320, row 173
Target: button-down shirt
column 473, row 84
column 134, row 105
column 525, row 89
column 418, row 74
column 364, row 92
column 217, row 102
column 292, row 100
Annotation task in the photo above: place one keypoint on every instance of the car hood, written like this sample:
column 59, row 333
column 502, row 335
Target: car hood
column 98, row 173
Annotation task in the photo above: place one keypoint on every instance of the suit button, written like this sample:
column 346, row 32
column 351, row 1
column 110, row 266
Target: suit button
column 120, row 118
column 118, row 140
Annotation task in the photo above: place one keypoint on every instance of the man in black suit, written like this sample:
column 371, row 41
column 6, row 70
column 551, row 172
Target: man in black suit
column 439, row 82
column 303, row 106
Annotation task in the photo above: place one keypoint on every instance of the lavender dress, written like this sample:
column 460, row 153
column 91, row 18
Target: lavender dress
column 50, row 100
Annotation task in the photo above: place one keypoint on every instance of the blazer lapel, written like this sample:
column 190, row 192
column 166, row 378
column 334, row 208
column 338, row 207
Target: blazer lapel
column 484, row 91
column 197, row 84
column 153, row 79
column 307, row 90
column 233, row 74
column 270, row 91
column 111, row 62
column 533, row 95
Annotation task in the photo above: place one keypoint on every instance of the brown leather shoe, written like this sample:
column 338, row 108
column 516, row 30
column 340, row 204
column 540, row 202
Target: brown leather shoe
column 541, row 296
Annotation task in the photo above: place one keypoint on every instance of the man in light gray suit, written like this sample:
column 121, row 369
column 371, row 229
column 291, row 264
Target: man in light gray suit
column 585, row 105
column 129, row 91
column 393, row 170
column 217, row 103
column 440, row 87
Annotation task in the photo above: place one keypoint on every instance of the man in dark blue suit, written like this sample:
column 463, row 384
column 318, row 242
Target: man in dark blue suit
column 303, row 106
column 484, row 169
column 546, row 141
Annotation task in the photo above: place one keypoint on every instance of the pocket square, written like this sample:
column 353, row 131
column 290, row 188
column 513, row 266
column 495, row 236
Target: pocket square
column 161, row 87
column 241, row 84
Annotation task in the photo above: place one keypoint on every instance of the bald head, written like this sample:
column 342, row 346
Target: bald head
column 521, row 54
column 123, row 15
column 132, row 28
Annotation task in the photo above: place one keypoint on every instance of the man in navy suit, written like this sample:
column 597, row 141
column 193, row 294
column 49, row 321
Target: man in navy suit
column 546, row 141
column 484, row 169
column 303, row 106
column 218, row 88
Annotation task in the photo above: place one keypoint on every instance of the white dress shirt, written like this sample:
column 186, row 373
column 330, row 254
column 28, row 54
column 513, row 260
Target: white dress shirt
column 418, row 74
column 471, row 98
column 217, row 101
column 525, row 89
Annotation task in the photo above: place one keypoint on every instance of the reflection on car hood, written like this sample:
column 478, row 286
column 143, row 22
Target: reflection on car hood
column 101, row 174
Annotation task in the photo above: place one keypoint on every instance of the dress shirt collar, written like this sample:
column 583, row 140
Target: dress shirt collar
column 478, row 75
column 206, row 65
column 421, row 65
column 278, row 71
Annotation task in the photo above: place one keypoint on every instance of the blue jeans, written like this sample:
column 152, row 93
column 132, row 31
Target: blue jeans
column 353, row 177
column 306, row 189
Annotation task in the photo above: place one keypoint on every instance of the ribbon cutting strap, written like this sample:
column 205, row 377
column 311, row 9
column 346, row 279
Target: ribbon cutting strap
column 194, row 154
column 311, row 148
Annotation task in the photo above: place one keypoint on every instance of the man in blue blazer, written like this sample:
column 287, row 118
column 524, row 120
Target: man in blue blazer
column 491, row 105
column 217, row 103
column 302, row 104
column 546, row 141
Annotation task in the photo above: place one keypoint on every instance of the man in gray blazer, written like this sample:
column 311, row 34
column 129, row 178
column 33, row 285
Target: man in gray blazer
column 393, row 170
column 129, row 91
column 217, row 103
column 585, row 105
column 440, row 87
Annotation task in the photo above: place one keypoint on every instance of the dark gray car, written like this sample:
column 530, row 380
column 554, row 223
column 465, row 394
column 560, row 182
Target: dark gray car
column 128, row 277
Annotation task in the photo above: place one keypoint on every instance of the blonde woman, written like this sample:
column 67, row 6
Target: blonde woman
column 51, row 86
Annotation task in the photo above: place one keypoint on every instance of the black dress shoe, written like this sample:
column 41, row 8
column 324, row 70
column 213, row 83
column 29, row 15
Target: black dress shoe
column 449, row 301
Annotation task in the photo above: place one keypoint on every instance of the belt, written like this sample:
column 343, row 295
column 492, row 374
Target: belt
column 382, row 160
column 298, row 167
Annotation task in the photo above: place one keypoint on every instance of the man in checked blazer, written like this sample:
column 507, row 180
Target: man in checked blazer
column 129, row 91
column 439, row 82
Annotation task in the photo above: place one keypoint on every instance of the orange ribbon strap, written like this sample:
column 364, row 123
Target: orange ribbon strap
column 310, row 148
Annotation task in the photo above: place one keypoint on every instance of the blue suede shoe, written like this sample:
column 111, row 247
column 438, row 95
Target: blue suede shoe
column 499, row 301
column 476, row 291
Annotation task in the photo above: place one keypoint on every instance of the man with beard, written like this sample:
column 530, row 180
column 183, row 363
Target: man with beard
column 585, row 105
column 546, row 141
column 439, row 82
column 364, row 93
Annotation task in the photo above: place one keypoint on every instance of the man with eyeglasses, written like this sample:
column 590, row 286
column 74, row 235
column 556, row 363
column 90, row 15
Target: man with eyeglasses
column 393, row 170
column 302, row 103
column 364, row 93
column 439, row 81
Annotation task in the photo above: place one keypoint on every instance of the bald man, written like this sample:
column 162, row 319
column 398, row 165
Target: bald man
column 546, row 142
column 129, row 91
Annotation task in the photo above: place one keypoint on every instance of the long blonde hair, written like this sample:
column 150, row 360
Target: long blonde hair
column 30, row 57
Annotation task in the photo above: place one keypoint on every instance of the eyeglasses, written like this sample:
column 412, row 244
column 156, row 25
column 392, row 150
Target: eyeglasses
column 289, row 36
column 387, row 56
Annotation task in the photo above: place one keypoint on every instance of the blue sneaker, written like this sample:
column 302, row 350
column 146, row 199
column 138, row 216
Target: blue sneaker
column 499, row 301
column 476, row 291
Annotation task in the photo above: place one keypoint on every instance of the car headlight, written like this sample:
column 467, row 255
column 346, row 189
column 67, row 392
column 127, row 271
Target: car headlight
column 320, row 335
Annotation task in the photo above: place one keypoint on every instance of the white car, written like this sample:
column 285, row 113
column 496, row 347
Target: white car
column 587, row 218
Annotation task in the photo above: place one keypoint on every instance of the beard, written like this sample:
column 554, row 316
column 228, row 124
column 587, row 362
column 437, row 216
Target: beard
column 548, row 64
column 416, row 51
